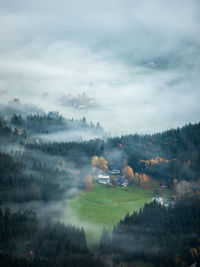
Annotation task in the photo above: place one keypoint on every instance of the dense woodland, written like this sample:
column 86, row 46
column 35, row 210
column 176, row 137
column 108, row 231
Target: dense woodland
column 25, row 242
column 33, row 170
column 177, row 150
column 31, row 119
column 29, row 178
column 52, row 122
column 164, row 236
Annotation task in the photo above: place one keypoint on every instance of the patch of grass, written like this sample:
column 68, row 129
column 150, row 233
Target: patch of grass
column 105, row 207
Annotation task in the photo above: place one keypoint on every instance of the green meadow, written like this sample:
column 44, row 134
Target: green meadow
column 104, row 207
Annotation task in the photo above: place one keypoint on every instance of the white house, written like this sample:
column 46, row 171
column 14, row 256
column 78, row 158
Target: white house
column 159, row 200
column 104, row 178
column 115, row 171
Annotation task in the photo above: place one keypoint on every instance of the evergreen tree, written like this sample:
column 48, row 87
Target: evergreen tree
column 104, row 245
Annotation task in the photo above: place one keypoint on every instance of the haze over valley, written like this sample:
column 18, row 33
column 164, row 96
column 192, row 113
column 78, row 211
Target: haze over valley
column 99, row 133
column 131, row 57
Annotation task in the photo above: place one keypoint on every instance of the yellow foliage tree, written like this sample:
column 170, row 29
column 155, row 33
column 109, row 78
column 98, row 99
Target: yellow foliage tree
column 143, row 181
column 128, row 172
column 144, row 178
column 103, row 164
column 95, row 161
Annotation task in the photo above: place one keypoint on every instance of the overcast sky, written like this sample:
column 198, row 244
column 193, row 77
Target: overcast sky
column 105, row 48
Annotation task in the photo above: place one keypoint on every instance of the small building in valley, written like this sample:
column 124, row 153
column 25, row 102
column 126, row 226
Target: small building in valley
column 115, row 171
column 122, row 181
column 104, row 178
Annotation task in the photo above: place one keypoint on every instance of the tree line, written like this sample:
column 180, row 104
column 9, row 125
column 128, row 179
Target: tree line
column 52, row 122
column 156, row 234
column 165, row 156
column 25, row 242
column 26, row 177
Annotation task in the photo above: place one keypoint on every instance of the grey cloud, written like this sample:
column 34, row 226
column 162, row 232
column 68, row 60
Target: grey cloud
column 103, row 48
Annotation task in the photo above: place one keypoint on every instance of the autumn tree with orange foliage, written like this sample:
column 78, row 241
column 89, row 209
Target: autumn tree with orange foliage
column 95, row 161
column 103, row 164
column 88, row 182
column 144, row 178
column 128, row 173
column 144, row 181
column 100, row 163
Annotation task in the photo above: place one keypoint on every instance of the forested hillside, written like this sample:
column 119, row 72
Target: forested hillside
column 165, row 156
column 99, row 133
column 166, row 237
column 41, row 175
column 25, row 242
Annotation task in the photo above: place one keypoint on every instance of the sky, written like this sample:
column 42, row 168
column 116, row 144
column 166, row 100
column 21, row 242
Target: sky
column 138, row 59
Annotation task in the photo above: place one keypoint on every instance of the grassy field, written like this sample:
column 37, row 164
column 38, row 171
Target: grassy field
column 105, row 207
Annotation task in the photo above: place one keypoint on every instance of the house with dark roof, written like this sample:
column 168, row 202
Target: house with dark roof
column 122, row 181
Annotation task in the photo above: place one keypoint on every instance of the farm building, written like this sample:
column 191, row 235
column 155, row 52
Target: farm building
column 104, row 178
column 115, row 171
column 163, row 185
column 122, row 181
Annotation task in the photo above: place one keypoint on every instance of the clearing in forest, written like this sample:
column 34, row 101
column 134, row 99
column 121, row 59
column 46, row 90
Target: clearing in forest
column 105, row 207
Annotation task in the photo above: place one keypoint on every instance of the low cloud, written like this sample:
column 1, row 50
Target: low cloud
column 138, row 60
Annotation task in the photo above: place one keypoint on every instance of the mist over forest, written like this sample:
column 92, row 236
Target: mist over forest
column 99, row 133
column 131, row 57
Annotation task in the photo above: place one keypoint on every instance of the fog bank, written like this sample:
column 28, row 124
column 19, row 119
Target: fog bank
column 138, row 60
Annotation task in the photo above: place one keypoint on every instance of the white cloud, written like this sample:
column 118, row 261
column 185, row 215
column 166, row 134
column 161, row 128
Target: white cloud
column 100, row 48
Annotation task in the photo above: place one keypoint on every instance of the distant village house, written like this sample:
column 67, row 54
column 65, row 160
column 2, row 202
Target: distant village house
column 115, row 171
column 104, row 178
column 122, row 181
